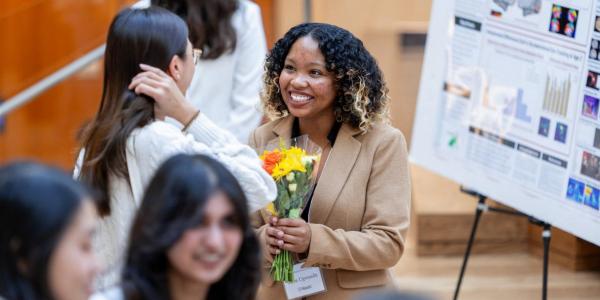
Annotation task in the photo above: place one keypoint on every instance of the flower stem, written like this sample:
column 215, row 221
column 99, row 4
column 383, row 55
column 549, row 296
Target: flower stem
column 283, row 267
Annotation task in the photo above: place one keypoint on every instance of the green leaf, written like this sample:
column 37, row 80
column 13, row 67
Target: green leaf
column 294, row 213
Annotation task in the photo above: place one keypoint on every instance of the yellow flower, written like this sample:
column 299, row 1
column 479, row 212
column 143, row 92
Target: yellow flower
column 291, row 161
column 295, row 152
column 281, row 169
column 271, row 209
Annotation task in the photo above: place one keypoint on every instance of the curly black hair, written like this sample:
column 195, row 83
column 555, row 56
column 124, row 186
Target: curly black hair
column 361, row 97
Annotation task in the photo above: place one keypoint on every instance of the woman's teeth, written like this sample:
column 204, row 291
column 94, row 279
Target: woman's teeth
column 210, row 258
column 300, row 98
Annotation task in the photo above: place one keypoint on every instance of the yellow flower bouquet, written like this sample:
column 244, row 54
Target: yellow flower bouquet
column 293, row 165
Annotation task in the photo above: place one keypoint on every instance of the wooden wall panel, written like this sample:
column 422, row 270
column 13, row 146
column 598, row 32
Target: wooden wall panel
column 287, row 13
column 45, row 129
column 266, row 7
column 37, row 38
column 565, row 249
column 359, row 17
column 42, row 36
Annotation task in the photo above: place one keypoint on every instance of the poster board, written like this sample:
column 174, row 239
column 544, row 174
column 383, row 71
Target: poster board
column 509, row 105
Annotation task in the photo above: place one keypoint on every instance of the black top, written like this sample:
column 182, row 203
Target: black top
column 331, row 137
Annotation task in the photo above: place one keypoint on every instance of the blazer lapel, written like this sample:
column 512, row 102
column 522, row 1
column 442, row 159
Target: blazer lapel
column 283, row 128
column 341, row 160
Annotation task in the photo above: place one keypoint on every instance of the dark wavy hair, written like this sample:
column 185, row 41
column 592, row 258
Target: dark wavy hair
column 361, row 97
column 174, row 203
column 209, row 22
column 151, row 36
column 37, row 203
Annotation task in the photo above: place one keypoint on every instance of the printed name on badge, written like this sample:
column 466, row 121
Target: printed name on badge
column 308, row 281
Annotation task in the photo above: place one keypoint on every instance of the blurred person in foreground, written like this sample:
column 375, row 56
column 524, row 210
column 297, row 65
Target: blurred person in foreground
column 191, row 238
column 47, row 221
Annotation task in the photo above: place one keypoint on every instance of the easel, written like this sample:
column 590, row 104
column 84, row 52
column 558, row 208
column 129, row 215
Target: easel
column 482, row 207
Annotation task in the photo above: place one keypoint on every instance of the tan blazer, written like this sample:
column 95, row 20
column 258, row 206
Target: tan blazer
column 359, row 212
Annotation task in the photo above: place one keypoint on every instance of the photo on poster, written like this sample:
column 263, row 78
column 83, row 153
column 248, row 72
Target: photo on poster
column 575, row 190
column 527, row 7
column 597, row 24
column 590, row 165
column 495, row 13
column 563, row 20
column 590, row 197
column 592, row 80
column 595, row 50
column 560, row 133
column 590, row 107
column 544, row 127
column 597, row 139
column 457, row 90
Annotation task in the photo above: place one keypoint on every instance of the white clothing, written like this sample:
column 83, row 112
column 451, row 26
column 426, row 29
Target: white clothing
column 147, row 148
column 227, row 89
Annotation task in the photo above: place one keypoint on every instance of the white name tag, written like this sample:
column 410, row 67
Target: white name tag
column 307, row 281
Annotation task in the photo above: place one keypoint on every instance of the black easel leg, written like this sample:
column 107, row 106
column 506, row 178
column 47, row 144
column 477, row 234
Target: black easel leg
column 478, row 212
column 546, row 235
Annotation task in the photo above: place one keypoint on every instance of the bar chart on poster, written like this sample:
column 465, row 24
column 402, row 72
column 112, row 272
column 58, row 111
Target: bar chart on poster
column 509, row 105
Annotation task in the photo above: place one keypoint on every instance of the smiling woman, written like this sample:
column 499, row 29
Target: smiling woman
column 191, row 238
column 307, row 86
column 321, row 81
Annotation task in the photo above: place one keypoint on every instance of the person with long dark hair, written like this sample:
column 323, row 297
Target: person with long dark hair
column 149, row 63
column 191, row 238
column 321, row 81
column 231, row 35
column 46, row 225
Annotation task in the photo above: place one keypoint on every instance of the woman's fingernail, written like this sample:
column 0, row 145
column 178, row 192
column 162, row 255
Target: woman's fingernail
column 280, row 243
column 277, row 251
column 280, row 234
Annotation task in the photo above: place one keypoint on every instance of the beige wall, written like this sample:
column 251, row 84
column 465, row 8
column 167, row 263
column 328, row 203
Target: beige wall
column 361, row 16
column 286, row 14
column 358, row 16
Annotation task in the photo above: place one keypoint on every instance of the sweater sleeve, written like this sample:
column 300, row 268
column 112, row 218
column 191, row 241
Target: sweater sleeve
column 158, row 141
column 380, row 242
column 247, row 76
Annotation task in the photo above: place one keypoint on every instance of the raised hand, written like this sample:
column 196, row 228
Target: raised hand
column 169, row 99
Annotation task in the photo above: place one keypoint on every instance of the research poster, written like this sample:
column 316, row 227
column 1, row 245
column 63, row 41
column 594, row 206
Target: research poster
column 509, row 105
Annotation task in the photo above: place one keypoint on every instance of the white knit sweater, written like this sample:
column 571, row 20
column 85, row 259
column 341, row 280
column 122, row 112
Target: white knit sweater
column 147, row 148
